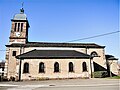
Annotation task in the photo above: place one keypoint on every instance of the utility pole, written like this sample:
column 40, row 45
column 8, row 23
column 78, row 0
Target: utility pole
column 91, row 66
column 20, row 65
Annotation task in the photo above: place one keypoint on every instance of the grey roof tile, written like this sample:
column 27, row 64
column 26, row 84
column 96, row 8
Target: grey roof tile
column 34, row 54
column 47, row 44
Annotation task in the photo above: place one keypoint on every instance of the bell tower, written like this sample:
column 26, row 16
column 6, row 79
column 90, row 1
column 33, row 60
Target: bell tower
column 19, row 29
column 18, row 36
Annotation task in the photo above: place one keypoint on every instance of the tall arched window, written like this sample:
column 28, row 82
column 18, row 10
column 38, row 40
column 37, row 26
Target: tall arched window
column 94, row 54
column 84, row 66
column 71, row 67
column 21, row 27
column 26, row 68
column 56, row 67
column 15, row 27
column 41, row 67
column 18, row 27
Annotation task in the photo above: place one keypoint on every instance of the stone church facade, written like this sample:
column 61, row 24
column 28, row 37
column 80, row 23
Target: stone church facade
column 43, row 60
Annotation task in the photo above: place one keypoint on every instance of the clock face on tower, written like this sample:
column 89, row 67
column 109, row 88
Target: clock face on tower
column 17, row 34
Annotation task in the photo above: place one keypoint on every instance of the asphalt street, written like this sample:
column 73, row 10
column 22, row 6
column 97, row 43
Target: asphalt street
column 69, row 84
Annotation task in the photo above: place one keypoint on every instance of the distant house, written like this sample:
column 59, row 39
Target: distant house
column 2, row 66
column 36, row 60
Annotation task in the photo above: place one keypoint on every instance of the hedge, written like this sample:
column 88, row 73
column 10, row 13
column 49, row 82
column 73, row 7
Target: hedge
column 100, row 74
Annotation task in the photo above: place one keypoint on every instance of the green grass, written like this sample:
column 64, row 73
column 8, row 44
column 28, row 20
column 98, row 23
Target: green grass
column 115, row 77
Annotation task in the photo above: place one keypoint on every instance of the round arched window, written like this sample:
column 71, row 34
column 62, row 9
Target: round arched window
column 26, row 68
column 41, row 67
column 94, row 54
column 84, row 65
column 71, row 67
column 56, row 67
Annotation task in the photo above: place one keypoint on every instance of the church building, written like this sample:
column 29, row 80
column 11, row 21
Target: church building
column 27, row 60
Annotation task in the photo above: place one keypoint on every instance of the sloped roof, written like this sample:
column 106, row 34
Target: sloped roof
column 34, row 54
column 110, row 57
column 47, row 44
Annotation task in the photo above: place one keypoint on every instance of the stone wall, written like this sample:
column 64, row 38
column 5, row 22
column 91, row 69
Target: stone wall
column 49, row 69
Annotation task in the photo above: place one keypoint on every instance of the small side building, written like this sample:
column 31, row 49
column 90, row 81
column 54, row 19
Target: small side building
column 112, row 65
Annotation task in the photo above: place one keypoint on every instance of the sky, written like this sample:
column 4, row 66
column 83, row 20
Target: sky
column 63, row 21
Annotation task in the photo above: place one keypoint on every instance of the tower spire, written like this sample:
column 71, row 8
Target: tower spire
column 22, row 4
column 22, row 10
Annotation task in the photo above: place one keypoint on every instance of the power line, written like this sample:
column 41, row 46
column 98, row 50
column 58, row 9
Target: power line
column 100, row 35
column 2, row 50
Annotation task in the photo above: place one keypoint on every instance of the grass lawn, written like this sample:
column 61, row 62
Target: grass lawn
column 115, row 77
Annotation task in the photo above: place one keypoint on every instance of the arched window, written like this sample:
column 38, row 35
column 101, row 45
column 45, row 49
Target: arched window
column 26, row 68
column 18, row 27
column 56, row 67
column 41, row 67
column 15, row 27
column 21, row 27
column 71, row 67
column 94, row 54
column 84, row 66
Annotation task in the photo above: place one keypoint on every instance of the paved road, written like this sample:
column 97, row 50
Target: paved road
column 81, row 88
column 73, row 84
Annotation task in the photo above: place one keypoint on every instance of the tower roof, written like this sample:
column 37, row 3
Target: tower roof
column 20, row 16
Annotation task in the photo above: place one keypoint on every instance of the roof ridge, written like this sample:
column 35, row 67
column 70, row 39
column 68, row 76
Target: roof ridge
column 62, row 43
column 51, row 44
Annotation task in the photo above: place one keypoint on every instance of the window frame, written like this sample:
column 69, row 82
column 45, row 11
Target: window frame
column 56, row 67
column 15, row 27
column 18, row 27
column 14, row 53
column 94, row 54
column 21, row 27
column 26, row 68
column 84, row 67
column 41, row 68
column 71, row 67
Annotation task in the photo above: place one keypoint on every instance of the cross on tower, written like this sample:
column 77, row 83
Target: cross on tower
column 22, row 10
column 22, row 4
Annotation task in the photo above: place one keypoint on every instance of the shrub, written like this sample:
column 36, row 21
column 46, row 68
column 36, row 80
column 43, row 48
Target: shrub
column 3, row 78
column 12, row 78
column 100, row 74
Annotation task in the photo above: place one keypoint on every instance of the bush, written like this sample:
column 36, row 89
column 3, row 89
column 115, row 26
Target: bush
column 12, row 78
column 100, row 74
column 3, row 78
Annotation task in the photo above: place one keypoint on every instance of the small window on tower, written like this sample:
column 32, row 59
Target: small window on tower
column 14, row 53
column 21, row 27
column 15, row 27
column 18, row 27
